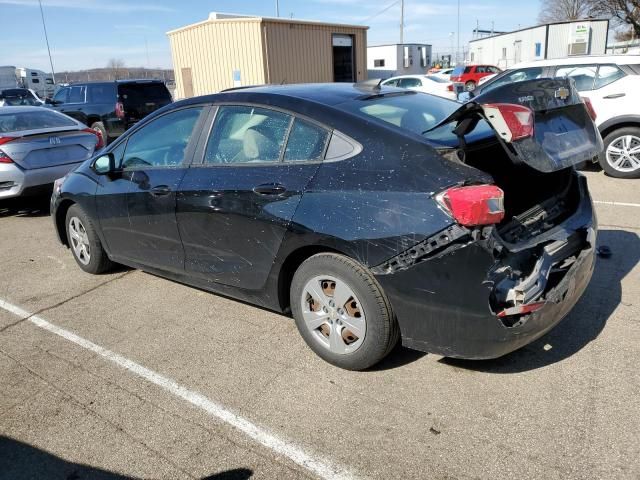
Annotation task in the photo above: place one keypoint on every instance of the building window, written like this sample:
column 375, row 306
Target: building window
column 378, row 63
column 504, row 53
column 538, row 49
column 472, row 57
column 407, row 58
column 424, row 60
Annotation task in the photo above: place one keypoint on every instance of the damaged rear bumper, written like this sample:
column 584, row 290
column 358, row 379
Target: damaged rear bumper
column 445, row 302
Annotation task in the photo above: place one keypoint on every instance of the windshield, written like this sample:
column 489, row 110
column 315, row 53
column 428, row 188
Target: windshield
column 433, row 78
column 33, row 120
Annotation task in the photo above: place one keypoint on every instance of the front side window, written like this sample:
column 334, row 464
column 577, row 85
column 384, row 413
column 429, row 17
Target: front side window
column 583, row 75
column 76, row 94
column 306, row 142
column 245, row 134
column 61, row 96
column 608, row 74
column 162, row 142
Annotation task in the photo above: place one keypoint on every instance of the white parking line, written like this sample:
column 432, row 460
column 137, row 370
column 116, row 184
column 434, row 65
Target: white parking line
column 618, row 204
column 281, row 446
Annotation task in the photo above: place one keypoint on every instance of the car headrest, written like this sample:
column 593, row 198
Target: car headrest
column 257, row 146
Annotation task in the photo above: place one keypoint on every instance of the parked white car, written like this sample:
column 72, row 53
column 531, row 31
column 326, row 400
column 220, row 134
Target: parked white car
column 423, row 83
column 444, row 73
column 612, row 83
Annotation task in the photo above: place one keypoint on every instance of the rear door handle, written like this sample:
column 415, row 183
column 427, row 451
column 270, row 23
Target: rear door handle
column 614, row 95
column 160, row 190
column 270, row 189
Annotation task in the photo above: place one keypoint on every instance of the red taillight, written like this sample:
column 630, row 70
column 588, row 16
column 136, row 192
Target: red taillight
column 4, row 158
column 512, row 122
column 474, row 205
column 97, row 133
column 119, row 110
column 590, row 109
column 450, row 87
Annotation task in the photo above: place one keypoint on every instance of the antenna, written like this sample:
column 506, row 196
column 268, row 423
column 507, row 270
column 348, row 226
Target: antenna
column 46, row 38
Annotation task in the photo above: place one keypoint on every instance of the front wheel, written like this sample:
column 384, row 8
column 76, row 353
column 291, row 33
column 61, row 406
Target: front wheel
column 85, row 243
column 621, row 157
column 341, row 312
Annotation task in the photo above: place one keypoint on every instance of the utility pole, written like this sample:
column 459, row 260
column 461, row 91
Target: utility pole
column 46, row 38
column 458, row 46
column 401, row 21
column 277, row 8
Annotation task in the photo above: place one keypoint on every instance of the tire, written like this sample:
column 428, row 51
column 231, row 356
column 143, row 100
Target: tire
column 95, row 259
column 99, row 126
column 470, row 86
column 617, row 139
column 366, row 308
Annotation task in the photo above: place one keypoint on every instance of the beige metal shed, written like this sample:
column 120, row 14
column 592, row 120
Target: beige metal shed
column 232, row 50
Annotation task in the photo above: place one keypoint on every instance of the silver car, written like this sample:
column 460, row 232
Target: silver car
column 38, row 146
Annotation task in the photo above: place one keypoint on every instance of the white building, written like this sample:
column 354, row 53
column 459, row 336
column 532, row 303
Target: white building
column 552, row 40
column 384, row 61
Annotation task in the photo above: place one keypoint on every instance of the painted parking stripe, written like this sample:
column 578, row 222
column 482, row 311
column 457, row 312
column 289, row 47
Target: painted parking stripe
column 618, row 204
column 321, row 468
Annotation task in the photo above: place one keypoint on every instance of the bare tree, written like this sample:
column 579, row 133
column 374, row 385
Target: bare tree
column 623, row 12
column 116, row 66
column 562, row 10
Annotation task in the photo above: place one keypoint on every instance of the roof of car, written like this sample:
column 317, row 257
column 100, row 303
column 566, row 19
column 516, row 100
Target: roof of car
column 119, row 82
column 24, row 108
column 324, row 93
column 581, row 60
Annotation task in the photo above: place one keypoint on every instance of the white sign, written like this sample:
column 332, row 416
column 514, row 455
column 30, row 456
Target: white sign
column 580, row 32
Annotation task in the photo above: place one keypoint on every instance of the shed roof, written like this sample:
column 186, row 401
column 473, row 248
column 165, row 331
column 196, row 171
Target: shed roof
column 216, row 17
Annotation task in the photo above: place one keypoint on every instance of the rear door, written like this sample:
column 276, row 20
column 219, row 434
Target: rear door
column 235, row 207
column 543, row 123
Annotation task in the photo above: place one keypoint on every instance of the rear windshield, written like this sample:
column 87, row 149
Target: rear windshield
column 144, row 93
column 416, row 113
column 437, row 79
column 33, row 120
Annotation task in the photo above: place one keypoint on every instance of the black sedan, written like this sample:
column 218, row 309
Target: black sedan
column 371, row 214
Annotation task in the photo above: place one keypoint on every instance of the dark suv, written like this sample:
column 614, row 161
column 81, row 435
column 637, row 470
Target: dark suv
column 111, row 107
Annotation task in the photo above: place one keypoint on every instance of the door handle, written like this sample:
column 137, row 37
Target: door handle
column 270, row 189
column 160, row 190
column 614, row 95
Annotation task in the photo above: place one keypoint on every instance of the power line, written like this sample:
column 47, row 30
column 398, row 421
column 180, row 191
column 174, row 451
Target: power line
column 380, row 12
column 46, row 37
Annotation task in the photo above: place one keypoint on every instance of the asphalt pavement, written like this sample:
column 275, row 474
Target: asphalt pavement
column 128, row 375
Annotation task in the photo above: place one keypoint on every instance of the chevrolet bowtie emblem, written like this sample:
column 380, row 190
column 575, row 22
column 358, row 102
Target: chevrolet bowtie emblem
column 562, row 93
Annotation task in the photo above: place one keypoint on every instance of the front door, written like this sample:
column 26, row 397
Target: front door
column 235, row 207
column 153, row 164
column 343, row 58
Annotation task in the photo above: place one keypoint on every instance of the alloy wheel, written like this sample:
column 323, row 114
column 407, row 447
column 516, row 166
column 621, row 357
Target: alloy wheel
column 79, row 241
column 333, row 314
column 623, row 154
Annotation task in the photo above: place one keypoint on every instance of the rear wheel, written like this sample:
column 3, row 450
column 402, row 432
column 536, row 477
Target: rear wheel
column 341, row 312
column 470, row 86
column 84, row 242
column 621, row 157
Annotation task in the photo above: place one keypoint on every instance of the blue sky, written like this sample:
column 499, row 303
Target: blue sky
column 87, row 33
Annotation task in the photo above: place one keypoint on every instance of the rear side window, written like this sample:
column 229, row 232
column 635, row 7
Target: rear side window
column 306, row 142
column 391, row 83
column 244, row 134
column 22, row 121
column 144, row 92
column 162, row 142
column 409, row 82
column 608, row 74
column 101, row 93
column 583, row 75
column 77, row 94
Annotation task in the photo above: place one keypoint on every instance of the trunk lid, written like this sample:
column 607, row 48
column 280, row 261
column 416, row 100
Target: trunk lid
column 41, row 150
column 563, row 132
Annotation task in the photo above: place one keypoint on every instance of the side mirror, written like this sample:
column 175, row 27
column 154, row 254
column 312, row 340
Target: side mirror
column 105, row 164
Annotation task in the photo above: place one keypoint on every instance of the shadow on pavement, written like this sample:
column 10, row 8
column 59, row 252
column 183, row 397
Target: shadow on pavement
column 584, row 323
column 20, row 461
column 35, row 206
